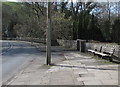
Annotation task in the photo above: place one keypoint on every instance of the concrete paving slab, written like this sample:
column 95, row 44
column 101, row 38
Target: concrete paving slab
column 79, row 83
column 93, row 82
column 80, row 72
column 34, row 82
column 101, row 75
column 102, row 78
column 109, row 82
column 85, row 78
column 19, row 83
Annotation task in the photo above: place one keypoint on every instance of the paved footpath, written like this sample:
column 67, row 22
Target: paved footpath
column 77, row 69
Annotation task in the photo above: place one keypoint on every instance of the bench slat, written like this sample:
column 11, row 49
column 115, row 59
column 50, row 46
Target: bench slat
column 102, row 54
column 91, row 51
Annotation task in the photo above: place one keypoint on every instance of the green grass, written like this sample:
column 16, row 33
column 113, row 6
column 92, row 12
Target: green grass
column 107, row 62
column 45, row 66
column 100, row 60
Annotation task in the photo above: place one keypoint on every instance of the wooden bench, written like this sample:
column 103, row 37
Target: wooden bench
column 95, row 50
column 92, row 51
column 103, row 53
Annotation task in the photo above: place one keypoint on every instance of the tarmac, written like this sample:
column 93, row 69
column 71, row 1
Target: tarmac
column 75, row 68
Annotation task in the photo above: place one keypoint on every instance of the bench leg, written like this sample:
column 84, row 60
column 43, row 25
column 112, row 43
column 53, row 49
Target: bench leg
column 94, row 54
column 100, row 56
column 110, row 59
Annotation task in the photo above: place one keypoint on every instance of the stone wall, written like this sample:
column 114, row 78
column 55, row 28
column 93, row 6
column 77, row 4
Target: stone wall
column 37, row 40
column 68, row 43
column 106, row 47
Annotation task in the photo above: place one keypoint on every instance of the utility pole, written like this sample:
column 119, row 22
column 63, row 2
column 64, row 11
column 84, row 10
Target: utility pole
column 109, row 13
column 48, row 40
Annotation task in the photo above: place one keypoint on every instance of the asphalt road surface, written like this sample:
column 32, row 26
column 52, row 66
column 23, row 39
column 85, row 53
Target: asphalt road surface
column 14, row 55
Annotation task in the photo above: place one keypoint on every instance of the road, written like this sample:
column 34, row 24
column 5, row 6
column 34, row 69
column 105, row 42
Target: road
column 15, row 54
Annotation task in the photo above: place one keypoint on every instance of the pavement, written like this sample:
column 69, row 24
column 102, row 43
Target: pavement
column 75, row 68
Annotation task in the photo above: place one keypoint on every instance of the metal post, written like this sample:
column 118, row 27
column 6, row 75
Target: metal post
column 48, row 40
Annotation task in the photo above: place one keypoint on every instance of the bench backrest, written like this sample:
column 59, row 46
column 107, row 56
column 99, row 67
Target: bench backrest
column 98, row 48
column 117, row 51
column 108, row 48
